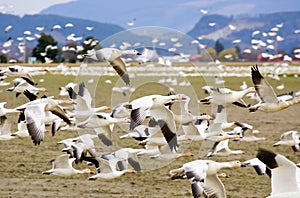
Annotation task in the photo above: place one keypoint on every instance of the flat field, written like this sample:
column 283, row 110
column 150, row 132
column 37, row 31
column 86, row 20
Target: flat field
column 22, row 163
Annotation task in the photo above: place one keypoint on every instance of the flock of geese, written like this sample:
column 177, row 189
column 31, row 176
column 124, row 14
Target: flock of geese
column 161, row 125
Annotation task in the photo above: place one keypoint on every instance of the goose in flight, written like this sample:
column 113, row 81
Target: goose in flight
column 284, row 174
column 269, row 101
column 222, row 96
column 113, row 57
column 62, row 166
column 202, row 175
column 22, row 84
column 21, row 71
column 35, row 116
column 108, row 170
column 289, row 138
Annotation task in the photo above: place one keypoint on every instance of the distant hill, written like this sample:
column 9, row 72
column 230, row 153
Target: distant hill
column 243, row 27
column 176, row 14
column 30, row 22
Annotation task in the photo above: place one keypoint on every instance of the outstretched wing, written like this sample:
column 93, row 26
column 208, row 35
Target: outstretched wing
column 262, row 87
column 119, row 65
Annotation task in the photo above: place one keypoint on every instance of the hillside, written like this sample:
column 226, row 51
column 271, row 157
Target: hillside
column 30, row 22
column 245, row 26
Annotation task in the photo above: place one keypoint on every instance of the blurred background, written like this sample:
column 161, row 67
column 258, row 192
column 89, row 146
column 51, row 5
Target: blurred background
column 229, row 30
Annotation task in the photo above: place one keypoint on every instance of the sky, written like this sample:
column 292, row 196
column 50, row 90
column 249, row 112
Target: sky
column 22, row 7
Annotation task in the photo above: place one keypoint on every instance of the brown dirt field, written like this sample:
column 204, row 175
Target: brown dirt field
column 22, row 163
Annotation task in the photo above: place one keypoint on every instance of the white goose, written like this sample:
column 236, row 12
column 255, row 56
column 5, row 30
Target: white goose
column 83, row 104
column 284, row 174
column 21, row 71
column 289, row 138
column 269, row 101
column 141, row 106
column 62, row 166
column 203, row 176
column 102, row 124
column 21, row 84
column 113, row 56
column 223, row 145
column 223, row 96
column 108, row 170
column 35, row 115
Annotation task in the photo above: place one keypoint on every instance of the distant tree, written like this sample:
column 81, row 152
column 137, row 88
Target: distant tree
column 46, row 47
column 218, row 47
column 228, row 55
column 3, row 58
column 238, row 52
column 209, row 55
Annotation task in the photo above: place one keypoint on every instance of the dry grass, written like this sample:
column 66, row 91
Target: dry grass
column 22, row 163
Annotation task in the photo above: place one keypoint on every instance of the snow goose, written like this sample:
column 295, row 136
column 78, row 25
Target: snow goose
column 21, row 71
column 125, row 157
column 194, row 131
column 289, row 138
column 81, row 147
column 203, row 176
column 21, row 84
column 108, row 170
column 83, row 105
column 35, row 115
column 141, row 106
column 62, row 166
column 102, row 124
column 223, row 145
column 113, row 56
column 259, row 167
column 284, row 174
column 269, row 101
column 222, row 96
column 5, row 129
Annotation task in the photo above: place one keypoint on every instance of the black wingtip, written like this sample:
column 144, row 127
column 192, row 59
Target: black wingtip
column 267, row 157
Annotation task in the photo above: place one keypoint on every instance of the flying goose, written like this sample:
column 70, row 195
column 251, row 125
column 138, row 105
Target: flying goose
column 223, row 96
column 62, row 166
column 35, row 115
column 108, row 170
column 284, row 174
column 141, row 106
column 269, row 101
column 113, row 57
column 202, row 175
column 21, row 71
column 21, row 84
column 289, row 138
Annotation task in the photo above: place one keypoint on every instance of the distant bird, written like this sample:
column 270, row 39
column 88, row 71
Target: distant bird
column 203, row 11
column 68, row 25
column 7, row 28
column 62, row 166
column 89, row 28
column 113, row 56
column 269, row 101
column 7, row 43
column 55, row 27
column 40, row 28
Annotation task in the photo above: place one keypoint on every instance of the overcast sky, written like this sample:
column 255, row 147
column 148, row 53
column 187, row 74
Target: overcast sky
column 22, row 7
